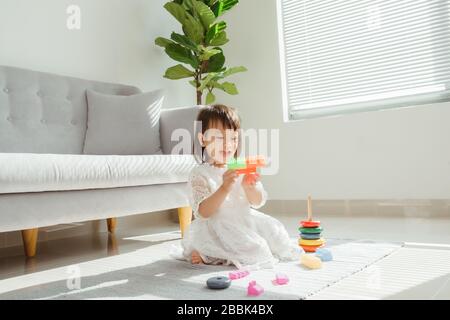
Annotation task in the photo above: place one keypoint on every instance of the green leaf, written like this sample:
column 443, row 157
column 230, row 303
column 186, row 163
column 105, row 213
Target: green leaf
column 234, row 70
column 189, row 6
column 188, row 3
column 227, row 72
column 208, row 53
column 184, row 41
column 222, row 6
column 181, row 54
column 162, row 42
column 214, row 31
column 229, row 88
column 205, row 14
column 219, row 40
column 178, row 72
column 204, row 82
column 210, row 98
column 216, row 62
column 177, row 11
column 193, row 29
column 193, row 83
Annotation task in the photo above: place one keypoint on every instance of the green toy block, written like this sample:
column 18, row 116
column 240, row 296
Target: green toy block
column 238, row 163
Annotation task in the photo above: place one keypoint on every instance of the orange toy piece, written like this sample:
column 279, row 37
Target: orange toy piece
column 247, row 165
column 310, row 224
column 311, row 248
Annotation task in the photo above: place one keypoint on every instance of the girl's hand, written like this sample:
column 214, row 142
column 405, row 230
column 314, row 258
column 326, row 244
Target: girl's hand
column 229, row 178
column 249, row 181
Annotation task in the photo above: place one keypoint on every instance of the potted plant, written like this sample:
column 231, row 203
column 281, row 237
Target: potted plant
column 198, row 48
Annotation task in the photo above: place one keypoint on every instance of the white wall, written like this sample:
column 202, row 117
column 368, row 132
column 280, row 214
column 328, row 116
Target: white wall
column 391, row 154
column 115, row 43
column 398, row 154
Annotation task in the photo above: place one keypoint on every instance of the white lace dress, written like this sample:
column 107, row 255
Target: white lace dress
column 237, row 233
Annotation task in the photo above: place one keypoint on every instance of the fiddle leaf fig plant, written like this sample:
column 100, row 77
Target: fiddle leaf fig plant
column 198, row 47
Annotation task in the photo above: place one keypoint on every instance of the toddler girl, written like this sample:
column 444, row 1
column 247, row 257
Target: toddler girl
column 227, row 228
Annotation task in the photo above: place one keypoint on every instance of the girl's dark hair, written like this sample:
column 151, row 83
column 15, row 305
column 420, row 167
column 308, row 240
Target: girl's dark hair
column 207, row 117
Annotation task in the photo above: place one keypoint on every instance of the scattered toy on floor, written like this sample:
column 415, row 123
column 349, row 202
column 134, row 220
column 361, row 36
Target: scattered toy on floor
column 280, row 279
column 324, row 254
column 254, row 289
column 220, row 282
column 238, row 274
column 310, row 261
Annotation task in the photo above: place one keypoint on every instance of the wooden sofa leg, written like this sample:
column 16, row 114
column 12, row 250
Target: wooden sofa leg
column 111, row 222
column 113, row 248
column 29, row 238
column 185, row 217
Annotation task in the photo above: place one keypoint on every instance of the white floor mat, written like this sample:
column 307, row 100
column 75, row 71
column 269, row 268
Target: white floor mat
column 413, row 272
column 150, row 273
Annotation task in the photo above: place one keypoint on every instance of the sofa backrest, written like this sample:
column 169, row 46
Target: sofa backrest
column 46, row 113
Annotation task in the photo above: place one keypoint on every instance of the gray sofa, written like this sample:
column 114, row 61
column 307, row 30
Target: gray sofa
column 45, row 179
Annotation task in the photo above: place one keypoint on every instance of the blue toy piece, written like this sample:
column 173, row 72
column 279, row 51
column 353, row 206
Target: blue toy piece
column 310, row 236
column 324, row 254
column 220, row 282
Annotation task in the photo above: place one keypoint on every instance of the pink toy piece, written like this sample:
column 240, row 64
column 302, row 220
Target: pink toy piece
column 254, row 289
column 280, row 279
column 238, row 274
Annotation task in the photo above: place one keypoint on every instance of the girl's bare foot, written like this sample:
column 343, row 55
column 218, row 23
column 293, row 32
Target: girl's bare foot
column 196, row 258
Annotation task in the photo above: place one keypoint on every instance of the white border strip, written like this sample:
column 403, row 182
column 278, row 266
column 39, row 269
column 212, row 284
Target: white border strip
column 422, row 245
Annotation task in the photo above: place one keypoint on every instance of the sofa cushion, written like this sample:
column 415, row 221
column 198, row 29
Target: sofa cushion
column 29, row 172
column 123, row 125
column 177, row 129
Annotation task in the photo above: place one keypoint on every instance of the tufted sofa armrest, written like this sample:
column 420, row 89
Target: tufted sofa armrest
column 175, row 124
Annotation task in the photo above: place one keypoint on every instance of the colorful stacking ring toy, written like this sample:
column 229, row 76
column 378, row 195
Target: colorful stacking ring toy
column 310, row 232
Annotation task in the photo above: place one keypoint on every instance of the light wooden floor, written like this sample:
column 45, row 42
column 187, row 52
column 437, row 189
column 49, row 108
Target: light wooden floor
column 64, row 252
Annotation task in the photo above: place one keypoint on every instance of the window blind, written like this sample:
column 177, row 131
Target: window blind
column 340, row 56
